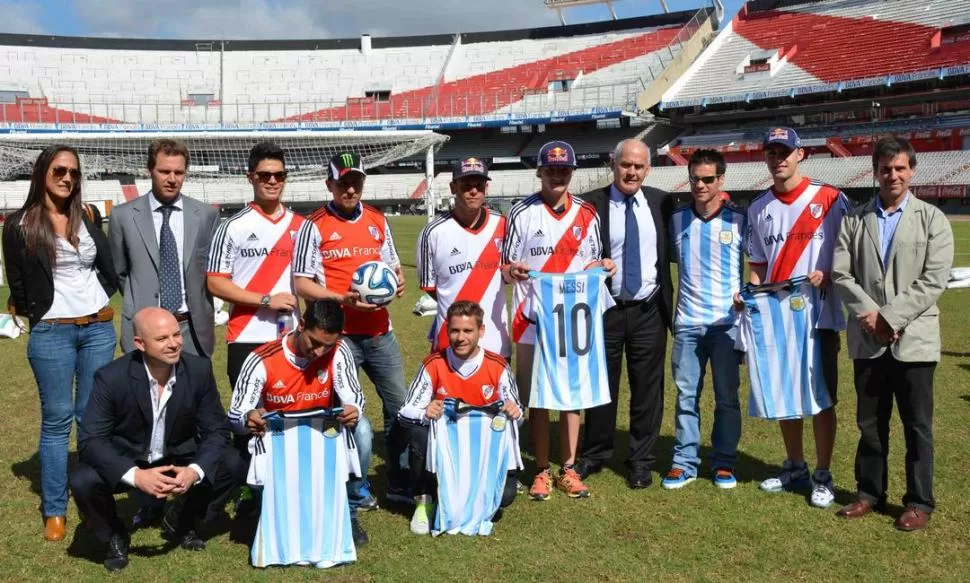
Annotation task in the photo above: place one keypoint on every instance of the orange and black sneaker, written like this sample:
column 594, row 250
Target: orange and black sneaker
column 541, row 485
column 570, row 483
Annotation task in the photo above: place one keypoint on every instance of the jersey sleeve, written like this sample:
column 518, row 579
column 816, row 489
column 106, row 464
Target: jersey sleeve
column 594, row 241
column 419, row 397
column 754, row 249
column 222, row 252
column 425, row 261
column 507, row 387
column 307, row 261
column 514, row 240
column 248, row 392
column 388, row 250
column 346, row 383
column 831, row 226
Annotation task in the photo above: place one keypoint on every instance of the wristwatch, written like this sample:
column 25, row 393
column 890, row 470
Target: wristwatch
column 264, row 301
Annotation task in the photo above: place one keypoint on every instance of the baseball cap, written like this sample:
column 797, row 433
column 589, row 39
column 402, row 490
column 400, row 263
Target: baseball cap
column 557, row 155
column 343, row 163
column 469, row 167
column 784, row 136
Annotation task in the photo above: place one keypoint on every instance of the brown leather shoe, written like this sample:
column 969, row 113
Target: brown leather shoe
column 54, row 528
column 912, row 519
column 857, row 509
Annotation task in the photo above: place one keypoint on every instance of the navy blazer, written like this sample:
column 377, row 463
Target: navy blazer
column 662, row 208
column 116, row 428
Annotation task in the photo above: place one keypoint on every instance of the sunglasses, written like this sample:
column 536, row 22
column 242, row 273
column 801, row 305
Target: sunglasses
column 62, row 171
column 705, row 179
column 265, row 176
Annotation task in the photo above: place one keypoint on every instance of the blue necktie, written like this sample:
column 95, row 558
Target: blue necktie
column 631, row 251
column 170, row 281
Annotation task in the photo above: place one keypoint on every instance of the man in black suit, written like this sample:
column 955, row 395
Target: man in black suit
column 633, row 221
column 154, row 422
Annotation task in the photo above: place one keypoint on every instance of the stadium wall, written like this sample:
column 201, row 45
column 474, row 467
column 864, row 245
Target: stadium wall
column 689, row 51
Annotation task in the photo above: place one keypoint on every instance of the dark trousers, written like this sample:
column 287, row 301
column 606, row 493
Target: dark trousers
column 236, row 354
column 423, row 481
column 95, row 496
column 637, row 328
column 877, row 382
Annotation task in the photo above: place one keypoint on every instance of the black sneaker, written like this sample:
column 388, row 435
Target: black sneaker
column 358, row 532
column 401, row 495
column 585, row 468
column 117, row 556
column 188, row 540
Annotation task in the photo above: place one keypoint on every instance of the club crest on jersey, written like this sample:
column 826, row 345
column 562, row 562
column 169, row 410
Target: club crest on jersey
column 578, row 233
column 797, row 303
column 498, row 423
column 726, row 237
column 376, row 234
column 488, row 391
column 323, row 375
column 498, row 243
column 815, row 209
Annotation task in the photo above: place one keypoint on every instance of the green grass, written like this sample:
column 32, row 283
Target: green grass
column 698, row 533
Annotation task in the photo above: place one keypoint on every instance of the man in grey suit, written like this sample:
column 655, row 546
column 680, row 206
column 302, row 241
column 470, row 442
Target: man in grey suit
column 160, row 244
column 892, row 261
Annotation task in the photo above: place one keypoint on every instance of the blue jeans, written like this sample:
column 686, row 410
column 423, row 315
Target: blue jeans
column 380, row 357
column 693, row 347
column 64, row 357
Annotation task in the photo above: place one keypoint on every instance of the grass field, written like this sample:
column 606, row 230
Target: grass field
column 698, row 533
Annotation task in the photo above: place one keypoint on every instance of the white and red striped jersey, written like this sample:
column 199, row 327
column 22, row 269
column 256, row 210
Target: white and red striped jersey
column 459, row 263
column 255, row 251
column 549, row 242
column 793, row 233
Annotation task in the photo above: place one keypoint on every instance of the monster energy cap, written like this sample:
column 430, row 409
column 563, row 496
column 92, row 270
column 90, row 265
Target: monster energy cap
column 343, row 163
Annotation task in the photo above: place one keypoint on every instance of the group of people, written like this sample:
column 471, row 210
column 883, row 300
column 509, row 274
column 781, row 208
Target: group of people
column 153, row 421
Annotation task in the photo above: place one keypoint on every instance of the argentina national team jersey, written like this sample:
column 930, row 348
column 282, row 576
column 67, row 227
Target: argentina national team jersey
column 303, row 466
column 784, row 356
column 471, row 455
column 569, row 366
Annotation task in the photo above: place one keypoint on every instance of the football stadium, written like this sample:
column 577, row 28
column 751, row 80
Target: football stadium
column 416, row 113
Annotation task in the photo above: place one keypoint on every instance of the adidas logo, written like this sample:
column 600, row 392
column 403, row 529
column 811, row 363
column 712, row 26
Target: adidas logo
column 455, row 251
column 335, row 236
column 252, row 237
column 442, row 391
column 768, row 218
column 279, row 385
column 539, row 233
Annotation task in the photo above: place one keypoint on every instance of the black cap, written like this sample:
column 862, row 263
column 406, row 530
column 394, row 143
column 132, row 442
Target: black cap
column 344, row 163
column 469, row 167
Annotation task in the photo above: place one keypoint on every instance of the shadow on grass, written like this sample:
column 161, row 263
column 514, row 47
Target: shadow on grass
column 955, row 353
column 965, row 398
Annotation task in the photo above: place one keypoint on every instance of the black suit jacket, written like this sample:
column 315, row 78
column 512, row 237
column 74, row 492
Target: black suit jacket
column 115, row 430
column 29, row 274
column 661, row 208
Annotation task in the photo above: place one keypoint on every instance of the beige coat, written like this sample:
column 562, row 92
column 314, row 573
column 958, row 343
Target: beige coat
column 906, row 294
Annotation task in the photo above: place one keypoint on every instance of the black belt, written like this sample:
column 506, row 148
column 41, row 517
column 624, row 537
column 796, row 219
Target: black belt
column 635, row 303
column 182, row 317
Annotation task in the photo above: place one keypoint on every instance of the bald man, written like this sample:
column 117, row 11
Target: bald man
column 154, row 423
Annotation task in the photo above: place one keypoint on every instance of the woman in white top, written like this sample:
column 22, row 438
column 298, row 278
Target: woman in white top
column 61, row 277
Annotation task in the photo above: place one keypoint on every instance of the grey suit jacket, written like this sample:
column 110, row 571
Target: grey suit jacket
column 905, row 295
column 134, row 247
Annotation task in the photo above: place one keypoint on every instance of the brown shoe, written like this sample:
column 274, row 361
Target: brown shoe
column 857, row 509
column 54, row 527
column 912, row 519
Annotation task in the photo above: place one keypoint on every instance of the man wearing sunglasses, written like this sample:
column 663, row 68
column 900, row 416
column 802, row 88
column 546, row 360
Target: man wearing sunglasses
column 707, row 241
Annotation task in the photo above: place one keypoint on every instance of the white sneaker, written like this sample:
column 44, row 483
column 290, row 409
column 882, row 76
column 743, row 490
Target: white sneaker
column 791, row 477
column 420, row 520
column 823, row 489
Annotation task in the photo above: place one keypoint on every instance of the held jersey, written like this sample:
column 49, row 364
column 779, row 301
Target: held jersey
column 569, row 366
column 274, row 378
column 303, row 466
column 459, row 263
column 255, row 252
column 551, row 243
column 471, row 456
column 793, row 234
column 330, row 247
column 479, row 380
column 784, row 357
column 709, row 265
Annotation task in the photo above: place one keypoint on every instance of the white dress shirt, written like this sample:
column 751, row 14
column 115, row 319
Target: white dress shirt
column 159, row 396
column 177, row 223
column 77, row 291
column 648, row 244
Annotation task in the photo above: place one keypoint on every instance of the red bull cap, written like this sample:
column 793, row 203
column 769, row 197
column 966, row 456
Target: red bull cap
column 557, row 154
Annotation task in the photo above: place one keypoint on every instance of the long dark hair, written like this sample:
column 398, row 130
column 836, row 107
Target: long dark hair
column 37, row 225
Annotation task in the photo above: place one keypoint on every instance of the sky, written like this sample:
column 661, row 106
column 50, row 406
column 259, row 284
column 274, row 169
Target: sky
column 292, row 19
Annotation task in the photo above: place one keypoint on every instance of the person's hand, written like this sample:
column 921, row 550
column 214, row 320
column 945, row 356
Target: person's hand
column 435, row 410
column 349, row 417
column 351, row 299
column 185, row 478
column 155, row 481
column 518, row 271
column 283, row 302
column 511, row 410
column 610, row 266
column 820, row 279
column 255, row 422
column 400, row 281
column 738, row 302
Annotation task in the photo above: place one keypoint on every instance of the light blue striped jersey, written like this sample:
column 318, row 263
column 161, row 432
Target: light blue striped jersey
column 303, row 466
column 569, row 363
column 784, row 354
column 471, row 455
column 710, row 265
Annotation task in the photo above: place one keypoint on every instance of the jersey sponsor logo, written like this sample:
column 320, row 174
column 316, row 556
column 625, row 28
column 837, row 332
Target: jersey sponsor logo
column 323, row 375
column 374, row 232
column 540, row 251
column 252, row 237
column 264, row 252
column 335, row 236
column 324, row 394
column 488, row 391
column 279, row 399
column 463, row 267
column 779, row 238
column 455, row 251
column 343, row 252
